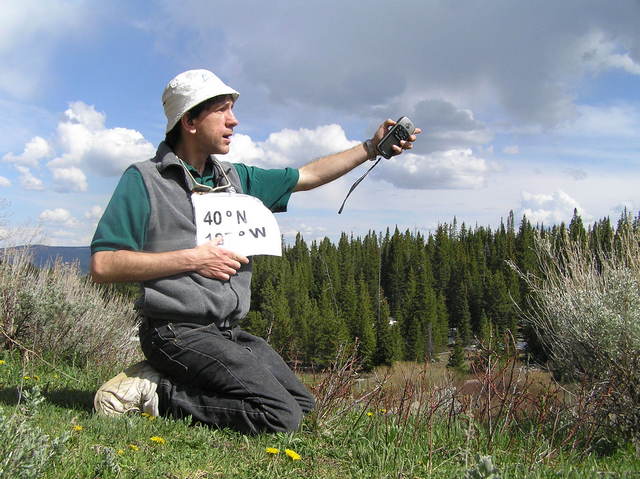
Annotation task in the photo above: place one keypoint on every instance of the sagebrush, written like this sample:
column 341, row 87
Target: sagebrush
column 586, row 312
column 25, row 451
column 59, row 312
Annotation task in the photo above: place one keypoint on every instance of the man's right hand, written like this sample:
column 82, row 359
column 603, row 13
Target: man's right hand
column 216, row 262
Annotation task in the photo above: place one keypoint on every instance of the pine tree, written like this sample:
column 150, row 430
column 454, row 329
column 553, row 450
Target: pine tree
column 577, row 233
column 441, row 326
column 394, row 270
column 348, row 302
column 255, row 324
column 456, row 359
column 410, row 325
column 275, row 311
column 499, row 306
column 365, row 328
column 460, row 315
column 442, row 258
column 330, row 332
column 387, row 346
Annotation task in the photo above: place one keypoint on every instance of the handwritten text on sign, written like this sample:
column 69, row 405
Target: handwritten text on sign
column 243, row 222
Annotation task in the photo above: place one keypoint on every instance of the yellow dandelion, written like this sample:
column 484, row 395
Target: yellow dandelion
column 26, row 377
column 36, row 378
column 2, row 361
column 77, row 427
column 120, row 452
column 292, row 454
column 133, row 447
column 272, row 450
column 383, row 411
column 158, row 439
column 369, row 414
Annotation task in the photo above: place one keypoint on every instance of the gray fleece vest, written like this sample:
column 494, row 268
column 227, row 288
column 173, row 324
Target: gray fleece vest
column 185, row 297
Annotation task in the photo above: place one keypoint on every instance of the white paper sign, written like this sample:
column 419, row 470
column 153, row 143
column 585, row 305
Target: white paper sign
column 243, row 222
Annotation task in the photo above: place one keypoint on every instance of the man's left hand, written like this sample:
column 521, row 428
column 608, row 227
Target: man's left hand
column 404, row 144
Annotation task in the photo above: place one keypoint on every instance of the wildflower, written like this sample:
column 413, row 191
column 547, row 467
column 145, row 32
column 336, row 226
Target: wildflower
column 292, row 454
column 120, row 452
column 272, row 450
column 133, row 447
column 369, row 414
column 26, row 377
column 77, row 427
column 158, row 439
column 145, row 414
column 36, row 378
column 383, row 411
column 2, row 361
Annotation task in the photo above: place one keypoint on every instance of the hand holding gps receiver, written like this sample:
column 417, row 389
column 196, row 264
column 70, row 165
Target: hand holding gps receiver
column 399, row 132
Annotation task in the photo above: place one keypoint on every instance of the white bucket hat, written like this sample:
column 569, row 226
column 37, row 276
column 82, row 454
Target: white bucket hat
column 189, row 89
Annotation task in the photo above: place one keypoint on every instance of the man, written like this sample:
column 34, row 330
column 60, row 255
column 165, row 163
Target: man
column 199, row 362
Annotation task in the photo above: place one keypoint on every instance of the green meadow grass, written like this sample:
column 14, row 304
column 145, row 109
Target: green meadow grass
column 365, row 442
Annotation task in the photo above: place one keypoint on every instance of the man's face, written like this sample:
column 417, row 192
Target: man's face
column 214, row 127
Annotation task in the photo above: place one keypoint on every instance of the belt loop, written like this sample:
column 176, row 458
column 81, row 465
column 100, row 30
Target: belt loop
column 229, row 334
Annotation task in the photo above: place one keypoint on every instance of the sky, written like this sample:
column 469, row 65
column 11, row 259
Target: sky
column 529, row 106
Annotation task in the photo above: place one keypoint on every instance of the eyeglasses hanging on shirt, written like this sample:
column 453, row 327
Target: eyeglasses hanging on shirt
column 200, row 188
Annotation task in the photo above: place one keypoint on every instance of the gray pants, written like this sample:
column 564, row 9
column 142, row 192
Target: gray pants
column 226, row 378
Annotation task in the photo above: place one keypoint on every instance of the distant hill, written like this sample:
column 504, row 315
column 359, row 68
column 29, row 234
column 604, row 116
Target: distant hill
column 46, row 255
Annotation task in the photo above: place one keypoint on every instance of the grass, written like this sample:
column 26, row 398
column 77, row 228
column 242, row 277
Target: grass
column 368, row 434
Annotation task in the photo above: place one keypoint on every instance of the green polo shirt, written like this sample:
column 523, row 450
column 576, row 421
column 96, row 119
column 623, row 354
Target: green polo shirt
column 124, row 223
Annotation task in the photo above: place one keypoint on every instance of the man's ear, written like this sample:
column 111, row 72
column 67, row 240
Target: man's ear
column 187, row 123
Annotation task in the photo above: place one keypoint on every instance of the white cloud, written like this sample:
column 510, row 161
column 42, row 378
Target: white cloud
column 511, row 150
column 290, row 147
column 36, row 149
column 94, row 213
column 82, row 142
column 86, row 115
column 86, row 142
column 601, row 54
column 69, row 179
column 454, row 169
column 112, row 150
column 309, row 232
column 550, row 208
column 28, row 181
column 446, row 126
column 612, row 121
column 58, row 216
column 4, row 181
column 625, row 206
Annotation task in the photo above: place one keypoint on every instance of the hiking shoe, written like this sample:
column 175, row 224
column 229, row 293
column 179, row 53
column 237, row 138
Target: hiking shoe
column 133, row 390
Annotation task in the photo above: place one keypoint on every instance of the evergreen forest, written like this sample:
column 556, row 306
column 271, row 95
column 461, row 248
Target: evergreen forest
column 401, row 295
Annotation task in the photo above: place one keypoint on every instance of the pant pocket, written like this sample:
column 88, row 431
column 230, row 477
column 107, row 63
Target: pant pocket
column 183, row 333
column 162, row 349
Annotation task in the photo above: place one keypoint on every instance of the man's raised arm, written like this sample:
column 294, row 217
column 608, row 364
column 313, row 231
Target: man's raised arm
column 328, row 168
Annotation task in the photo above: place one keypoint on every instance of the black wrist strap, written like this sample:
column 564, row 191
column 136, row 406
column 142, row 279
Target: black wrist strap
column 353, row 187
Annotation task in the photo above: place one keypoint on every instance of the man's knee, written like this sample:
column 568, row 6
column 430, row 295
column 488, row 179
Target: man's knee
column 307, row 403
column 284, row 420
